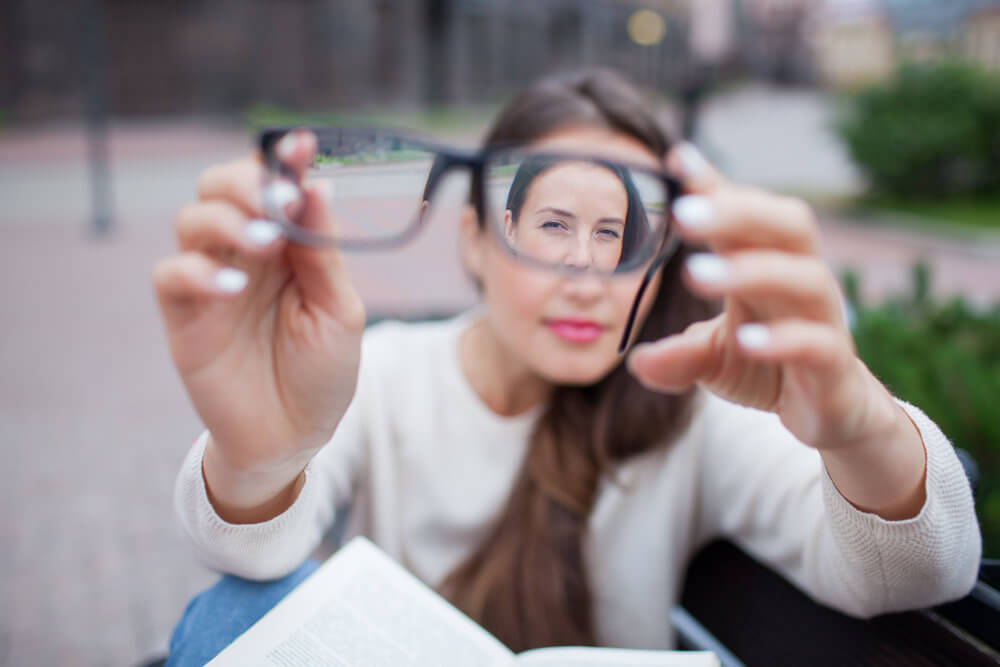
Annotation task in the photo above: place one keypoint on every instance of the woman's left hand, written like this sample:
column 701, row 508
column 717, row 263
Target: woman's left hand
column 782, row 342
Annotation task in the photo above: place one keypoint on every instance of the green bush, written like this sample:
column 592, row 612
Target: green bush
column 943, row 357
column 932, row 131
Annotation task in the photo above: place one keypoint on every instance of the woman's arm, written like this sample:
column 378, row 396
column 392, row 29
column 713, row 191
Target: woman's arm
column 884, row 472
column 773, row 496
column 836, row 478
column 254, row 495
column 265, row 335
column 274, row 545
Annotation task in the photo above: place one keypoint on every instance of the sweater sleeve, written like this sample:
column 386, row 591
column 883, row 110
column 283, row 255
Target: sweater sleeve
column 274, row 548
column 771, row 494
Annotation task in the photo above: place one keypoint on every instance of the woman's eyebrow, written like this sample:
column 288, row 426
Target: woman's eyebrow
column 567, row 214
column 558, row 211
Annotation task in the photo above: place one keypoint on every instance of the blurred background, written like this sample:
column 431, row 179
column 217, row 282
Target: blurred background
column 884, row 114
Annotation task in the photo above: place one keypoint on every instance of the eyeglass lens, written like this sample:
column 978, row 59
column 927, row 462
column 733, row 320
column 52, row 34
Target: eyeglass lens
column 580, row 212
column 375, row 183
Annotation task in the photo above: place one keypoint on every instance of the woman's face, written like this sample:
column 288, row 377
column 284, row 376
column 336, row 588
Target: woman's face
column 564, row 328
column 574, row 215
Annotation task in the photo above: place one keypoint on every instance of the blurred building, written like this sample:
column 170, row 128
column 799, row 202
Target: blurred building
column 227, row 55
column 981, row 36
column 852, row 42
column 224, row 56
column 928, row 30
column 860, row 41
column 774, row 39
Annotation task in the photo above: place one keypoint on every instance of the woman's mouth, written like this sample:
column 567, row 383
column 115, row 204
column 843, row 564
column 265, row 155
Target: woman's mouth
column 575, row 331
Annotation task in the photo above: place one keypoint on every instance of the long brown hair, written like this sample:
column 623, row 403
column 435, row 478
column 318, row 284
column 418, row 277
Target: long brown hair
column 527, row 582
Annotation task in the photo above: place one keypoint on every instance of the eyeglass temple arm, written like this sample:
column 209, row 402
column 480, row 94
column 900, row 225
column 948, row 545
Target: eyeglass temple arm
column 650, row 272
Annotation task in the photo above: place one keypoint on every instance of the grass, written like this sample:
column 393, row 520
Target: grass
column 966, row 219
column 446, row 121
column 374, row 157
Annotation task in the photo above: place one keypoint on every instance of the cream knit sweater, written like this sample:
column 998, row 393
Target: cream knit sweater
column 425, row 467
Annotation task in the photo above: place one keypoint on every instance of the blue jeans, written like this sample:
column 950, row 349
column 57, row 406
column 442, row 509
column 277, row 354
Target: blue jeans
column 222, row 613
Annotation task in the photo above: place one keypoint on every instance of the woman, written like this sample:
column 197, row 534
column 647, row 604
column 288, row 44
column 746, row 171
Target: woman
column 509, row 457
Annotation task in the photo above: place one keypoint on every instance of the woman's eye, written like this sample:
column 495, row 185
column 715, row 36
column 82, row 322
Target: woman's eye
column 609, row 234
column 553, row 225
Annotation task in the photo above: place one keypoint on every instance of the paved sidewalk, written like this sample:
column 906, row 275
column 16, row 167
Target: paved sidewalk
column 883, row 257
column 93, row 419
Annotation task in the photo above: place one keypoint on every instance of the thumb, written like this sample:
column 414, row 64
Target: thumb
column 320, row 273
column 674, row 364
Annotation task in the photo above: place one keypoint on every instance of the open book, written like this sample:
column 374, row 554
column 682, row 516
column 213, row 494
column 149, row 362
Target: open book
column 362, row 609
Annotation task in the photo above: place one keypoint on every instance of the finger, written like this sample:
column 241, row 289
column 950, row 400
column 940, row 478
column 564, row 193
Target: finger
column 769, row 282
column 187, row 278
column 281, row 196
column 296, row 151
column 813, row 344
column 676, row 363
column 218, row 224
column 735, row 217
column 320, row 272
column 695, row 172
column 237, row 182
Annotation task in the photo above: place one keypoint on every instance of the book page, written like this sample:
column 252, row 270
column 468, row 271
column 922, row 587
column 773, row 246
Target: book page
column 362, row 609
column 581, row 656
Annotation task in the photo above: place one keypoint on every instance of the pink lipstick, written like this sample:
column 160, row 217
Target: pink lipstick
column 576, row 331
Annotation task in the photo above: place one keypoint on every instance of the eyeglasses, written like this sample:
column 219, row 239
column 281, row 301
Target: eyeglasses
column 558, row 211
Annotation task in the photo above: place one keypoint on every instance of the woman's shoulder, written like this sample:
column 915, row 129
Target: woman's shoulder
column 711, row 406
column 394, row 345
column 392, row 333
column 409, row 368
column 716, row 418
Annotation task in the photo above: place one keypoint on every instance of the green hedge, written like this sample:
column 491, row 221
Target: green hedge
column 932, row 131
column 945, row 358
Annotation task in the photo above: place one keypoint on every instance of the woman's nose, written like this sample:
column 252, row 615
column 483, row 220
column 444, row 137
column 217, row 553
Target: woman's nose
column 579, row 254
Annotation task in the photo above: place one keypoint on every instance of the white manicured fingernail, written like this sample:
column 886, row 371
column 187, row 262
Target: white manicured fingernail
column 282, row 193
column 275, row 196
column 753, row 336
column 286, row 147
column 231, row 280
column 707, row 268
column 692, row 161
column 262, row 232
column 694, row 211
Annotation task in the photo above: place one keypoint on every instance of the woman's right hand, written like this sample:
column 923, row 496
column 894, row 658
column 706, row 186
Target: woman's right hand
column 266, row 334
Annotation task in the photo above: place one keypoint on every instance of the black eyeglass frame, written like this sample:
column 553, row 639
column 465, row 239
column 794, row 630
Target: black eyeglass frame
column 446, row 159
